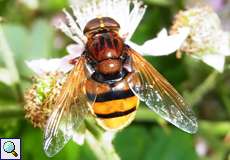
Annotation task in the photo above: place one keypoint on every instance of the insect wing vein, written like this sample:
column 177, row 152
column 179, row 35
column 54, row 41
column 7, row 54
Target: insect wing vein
column 68, row 111
column 160, row 96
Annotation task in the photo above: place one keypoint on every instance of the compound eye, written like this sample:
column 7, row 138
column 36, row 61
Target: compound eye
column 92, row 25
column 111, row 23
column 101, row 24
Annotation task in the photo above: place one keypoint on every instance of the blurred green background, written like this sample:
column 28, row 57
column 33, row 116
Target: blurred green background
column 27, row 28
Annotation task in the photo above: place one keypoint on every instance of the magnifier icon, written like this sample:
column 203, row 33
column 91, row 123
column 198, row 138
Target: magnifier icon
column 9, row 147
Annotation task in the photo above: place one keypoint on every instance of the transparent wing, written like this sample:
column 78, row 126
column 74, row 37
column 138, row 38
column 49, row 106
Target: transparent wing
column 79, row 134
column 70, row 108
column 159, row 95
column 55, row 140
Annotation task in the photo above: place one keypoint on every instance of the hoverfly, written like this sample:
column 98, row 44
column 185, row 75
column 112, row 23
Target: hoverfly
column 109, row 79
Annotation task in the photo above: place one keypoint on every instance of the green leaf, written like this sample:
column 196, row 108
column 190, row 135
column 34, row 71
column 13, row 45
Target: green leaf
column 31, row 4
column 176, row 145
column 6, row 93
column 28, row 45
column 139, row 143
column 18, row 40
column 41, row 39
column 8, row 57
column 159, row 2
column 56, row 5
column 131, row 143
column 17, row 37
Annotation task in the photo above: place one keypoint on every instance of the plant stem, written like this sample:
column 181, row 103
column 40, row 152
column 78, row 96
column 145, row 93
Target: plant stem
column 221, row 128
column 13, row 112
column 93, row 128
column 100, row 142
column 102, row 148
column 145, row 114
column 194, row 97
column 19, row 92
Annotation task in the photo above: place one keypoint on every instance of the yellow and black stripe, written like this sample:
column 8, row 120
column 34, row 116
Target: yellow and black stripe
column 116, row 100
column 114, row 108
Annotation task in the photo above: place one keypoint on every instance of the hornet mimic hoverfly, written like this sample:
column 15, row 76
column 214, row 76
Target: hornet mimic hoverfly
column 108, row 80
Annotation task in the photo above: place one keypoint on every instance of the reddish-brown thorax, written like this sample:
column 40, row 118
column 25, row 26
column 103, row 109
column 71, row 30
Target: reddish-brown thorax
column 104, row 45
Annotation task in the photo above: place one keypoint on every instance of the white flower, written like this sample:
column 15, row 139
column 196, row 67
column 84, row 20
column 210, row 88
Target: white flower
column 43, row 66
column 164, row 44
column 206, row 41
column 127, row 13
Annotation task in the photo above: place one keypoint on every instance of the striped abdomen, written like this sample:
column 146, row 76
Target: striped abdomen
column 115, row 105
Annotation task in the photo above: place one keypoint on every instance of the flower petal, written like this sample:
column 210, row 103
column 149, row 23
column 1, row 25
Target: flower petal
column 224, row 47
column 214, row 60
column 75, row 49
column 43, row 66
column 127, row 13
column 164, row 44
column 162, row 34
column 79, row 138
